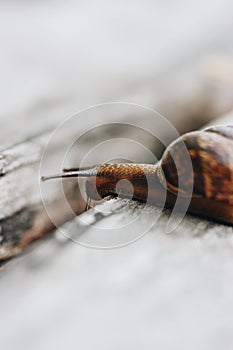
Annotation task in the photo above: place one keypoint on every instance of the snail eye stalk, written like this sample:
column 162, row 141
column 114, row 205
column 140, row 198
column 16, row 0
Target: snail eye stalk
column 81, row 172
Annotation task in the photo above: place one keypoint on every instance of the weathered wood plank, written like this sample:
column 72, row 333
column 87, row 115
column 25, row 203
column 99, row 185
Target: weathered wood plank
column 163, row 291
column 19, row 163
column 161, row 279
column 32, row 223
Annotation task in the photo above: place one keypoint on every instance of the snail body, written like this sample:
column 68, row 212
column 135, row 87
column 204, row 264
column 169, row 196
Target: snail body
column 208, row 181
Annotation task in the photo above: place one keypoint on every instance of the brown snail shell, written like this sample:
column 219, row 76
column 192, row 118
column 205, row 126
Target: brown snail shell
column 211, row 154
column 209, row 178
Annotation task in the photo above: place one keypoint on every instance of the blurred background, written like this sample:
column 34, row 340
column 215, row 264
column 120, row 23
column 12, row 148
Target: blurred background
column 58, row 57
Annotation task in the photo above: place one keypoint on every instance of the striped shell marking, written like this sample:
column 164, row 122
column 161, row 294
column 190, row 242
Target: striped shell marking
column 211, row 153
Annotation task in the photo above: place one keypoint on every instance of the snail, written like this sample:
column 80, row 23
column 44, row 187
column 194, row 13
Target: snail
column 211, row 153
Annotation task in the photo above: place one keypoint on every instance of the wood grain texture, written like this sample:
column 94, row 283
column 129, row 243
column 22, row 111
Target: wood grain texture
column 66, row 290
column 21, row 205
column 165, row 292
column 20, row 155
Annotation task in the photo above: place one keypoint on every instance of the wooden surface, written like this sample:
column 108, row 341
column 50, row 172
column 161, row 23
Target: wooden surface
column 142, row 295
column 115, row 274
column 156, row 290
column 21, row 163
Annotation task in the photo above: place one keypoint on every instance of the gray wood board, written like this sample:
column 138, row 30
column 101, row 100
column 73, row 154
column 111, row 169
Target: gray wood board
column 20, row 163
column 166, row 291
